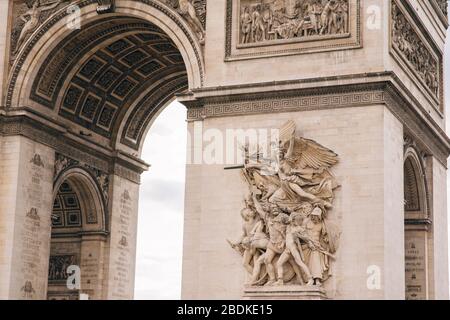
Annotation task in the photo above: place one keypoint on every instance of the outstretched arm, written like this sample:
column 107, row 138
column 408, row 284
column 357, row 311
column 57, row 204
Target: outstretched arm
column 258, row 207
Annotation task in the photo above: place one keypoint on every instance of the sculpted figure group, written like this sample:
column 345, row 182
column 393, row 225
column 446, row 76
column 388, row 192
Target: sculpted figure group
column 407, row 41
column 286, row 19
column 287, row 237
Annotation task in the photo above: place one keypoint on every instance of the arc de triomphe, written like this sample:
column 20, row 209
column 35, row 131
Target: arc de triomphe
column 351, row 204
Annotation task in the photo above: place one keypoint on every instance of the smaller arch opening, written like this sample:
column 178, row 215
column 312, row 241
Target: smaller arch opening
column 417, row 228
column 77, row 238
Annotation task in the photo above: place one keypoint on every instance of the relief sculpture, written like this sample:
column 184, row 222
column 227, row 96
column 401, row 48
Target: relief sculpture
column 194, row 12
column 287, row 234
column 265, row 20
column 30, row 15
column 406, row 40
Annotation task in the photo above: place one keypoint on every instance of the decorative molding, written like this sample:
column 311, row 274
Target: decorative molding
column 64, row 163
column 145, row 110
column 388, row 93
column 45, row 26
column 106, row 6
column 296, row 32
column 443, row 6
column 40, row 132
column 418, row 201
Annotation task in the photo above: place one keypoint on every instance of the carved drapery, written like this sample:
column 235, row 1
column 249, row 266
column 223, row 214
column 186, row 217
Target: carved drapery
column 288, row 236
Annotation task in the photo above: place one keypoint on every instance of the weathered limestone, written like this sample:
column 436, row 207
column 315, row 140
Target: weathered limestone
column 363, row 79
column 26, row 197
column 121, row 250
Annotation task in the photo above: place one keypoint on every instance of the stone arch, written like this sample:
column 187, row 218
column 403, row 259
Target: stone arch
column 418, row 232
column 79, row 234
column 93, row 207
column 415, row 186
column 50, row 62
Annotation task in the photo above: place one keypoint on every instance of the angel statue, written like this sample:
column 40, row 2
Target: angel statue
column 304, row 170
column 31, row 18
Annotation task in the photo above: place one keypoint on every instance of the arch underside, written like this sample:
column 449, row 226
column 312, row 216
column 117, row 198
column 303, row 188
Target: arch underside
column 111, row 77
column 411, row 187
column 415, row 188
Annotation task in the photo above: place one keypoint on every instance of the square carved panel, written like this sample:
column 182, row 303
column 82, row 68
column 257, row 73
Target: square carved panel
column 256, row 28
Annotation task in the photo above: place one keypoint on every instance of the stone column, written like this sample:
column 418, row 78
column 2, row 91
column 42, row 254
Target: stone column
column 92, row 265
column 4, row 46
column 439, row 236
column 26, row 187
column 368, row 207
column 121, row 252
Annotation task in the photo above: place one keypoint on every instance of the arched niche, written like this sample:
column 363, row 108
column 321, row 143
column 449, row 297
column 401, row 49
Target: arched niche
column 78, row 236
column 418, row 231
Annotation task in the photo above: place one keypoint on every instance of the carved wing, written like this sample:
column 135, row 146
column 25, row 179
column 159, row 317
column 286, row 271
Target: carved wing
column 200, row 9
column 308, row 153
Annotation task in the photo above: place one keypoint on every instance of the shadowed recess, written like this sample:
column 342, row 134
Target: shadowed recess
column 96, row 74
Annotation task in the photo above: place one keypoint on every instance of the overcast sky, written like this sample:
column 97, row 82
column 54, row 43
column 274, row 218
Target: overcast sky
column 160, row 228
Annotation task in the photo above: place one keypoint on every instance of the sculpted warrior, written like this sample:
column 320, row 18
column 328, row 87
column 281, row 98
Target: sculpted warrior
column 287, row 236
column 294, row 233
column 276, row 224
column 253, row 238
column 246, row 26
column 319, row 249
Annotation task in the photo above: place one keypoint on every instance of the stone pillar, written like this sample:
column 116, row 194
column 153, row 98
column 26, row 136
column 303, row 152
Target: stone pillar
column 92, row 265
column 368, row 207
column 4, row 46
column 439, row 236
column 26, row 187
column 121, row 252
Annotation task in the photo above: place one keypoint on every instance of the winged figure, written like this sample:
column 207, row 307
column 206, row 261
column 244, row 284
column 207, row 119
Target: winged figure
column 292, row 194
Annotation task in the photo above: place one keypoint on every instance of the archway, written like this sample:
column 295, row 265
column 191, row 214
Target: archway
column 100, row 87
column 78, row 237
column 417, row 227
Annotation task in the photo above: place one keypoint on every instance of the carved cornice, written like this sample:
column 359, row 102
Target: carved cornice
column 389, row 92
column 105, row 161
column 62, row 13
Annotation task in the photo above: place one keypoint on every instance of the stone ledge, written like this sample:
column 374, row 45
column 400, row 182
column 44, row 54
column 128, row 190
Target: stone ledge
column 284, row 293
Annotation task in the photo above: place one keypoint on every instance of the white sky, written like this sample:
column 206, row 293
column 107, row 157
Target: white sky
column 160, row 228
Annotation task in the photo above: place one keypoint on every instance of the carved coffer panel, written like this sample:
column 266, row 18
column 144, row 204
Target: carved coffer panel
column 258, row 28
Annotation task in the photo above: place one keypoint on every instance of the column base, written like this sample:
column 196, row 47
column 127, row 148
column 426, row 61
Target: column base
column 284, row 293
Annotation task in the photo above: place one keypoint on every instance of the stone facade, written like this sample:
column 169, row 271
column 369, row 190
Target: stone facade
column 362, row 79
